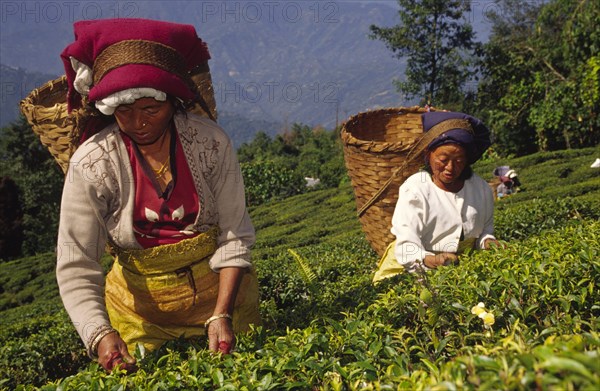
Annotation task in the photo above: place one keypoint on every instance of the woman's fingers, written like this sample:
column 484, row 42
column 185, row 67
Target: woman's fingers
column 449, row 258
column 220, row 336
column 442, row 259
column 112, row 352
column 224, row 347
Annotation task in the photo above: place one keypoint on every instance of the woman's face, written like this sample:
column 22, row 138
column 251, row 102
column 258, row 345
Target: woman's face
column 145, row 120
column 447, row 162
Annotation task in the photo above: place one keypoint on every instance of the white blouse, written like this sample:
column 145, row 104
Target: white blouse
column 428, row 220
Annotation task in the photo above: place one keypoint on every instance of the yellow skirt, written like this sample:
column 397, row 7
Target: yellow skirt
column 162, row 293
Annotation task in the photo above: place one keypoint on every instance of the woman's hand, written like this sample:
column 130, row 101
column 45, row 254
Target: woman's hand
column 220, row 336
column 112, row 351
column 220, row 331
column 441, row 259
column 489, row 243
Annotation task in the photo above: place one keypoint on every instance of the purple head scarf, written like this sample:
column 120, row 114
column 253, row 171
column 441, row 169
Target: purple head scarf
column 462, row 129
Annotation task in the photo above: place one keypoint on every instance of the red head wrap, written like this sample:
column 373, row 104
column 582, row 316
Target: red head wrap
column 132, row 53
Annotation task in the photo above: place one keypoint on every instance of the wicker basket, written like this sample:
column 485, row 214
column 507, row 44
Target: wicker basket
column 45, row 109
column 381, row 149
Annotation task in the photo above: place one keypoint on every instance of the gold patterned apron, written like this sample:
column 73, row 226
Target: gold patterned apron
column 162, row 293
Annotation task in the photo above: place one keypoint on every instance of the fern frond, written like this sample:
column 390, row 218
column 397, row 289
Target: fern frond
column 306, row 272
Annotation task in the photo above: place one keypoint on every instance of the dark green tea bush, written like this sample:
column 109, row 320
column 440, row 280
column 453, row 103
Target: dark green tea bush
column 343, row 281
column 327, row 327
column 39, row 348
column 26, row 280
column 309, row 219
column 520, row 220
column 417, row 331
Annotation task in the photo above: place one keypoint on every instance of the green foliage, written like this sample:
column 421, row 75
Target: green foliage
column 532, row 217
column 305, row 271
column 27, row 280
column 38, row 342
column 334, row 330
column 39, row 179
column 288, row 296
column 39, row 347
column 438, row 51
column 551, row 175
column 558, row 188
column 274, row 169
column 545, row 334
column 266, row 180
column 11, row 220
column 540, row 90
column 304, row 220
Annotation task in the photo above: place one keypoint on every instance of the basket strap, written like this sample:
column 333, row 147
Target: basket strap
column 138, row 51
column 413, row 154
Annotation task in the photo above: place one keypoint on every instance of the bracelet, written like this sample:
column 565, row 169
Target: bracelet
column 215, row 317
column 103, row 332
column 92, row 337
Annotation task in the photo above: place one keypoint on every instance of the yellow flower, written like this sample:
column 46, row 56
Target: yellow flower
column 488, row 318
column 478, row 309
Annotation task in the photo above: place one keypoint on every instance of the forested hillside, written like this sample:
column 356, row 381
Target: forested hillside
column 327, row 327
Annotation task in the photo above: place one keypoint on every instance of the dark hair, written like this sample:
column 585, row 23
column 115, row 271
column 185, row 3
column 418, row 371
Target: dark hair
column 180, row 107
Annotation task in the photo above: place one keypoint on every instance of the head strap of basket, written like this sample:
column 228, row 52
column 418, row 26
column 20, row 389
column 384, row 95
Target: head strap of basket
column 114, row 62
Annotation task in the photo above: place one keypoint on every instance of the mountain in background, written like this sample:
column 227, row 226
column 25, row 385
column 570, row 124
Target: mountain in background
column 15, row 84
column 273, row 63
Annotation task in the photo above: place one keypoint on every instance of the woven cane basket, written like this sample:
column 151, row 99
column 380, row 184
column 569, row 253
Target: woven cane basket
column 45, row 109
column 381, row 149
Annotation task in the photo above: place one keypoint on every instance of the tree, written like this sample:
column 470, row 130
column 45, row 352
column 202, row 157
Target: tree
column 540, row 88
column 39, row 179
column 502, row 66
column 304, row 151
column 438, row 45
column 565, row 47
column 11, row 220
column 261, row 145
column 268, row 181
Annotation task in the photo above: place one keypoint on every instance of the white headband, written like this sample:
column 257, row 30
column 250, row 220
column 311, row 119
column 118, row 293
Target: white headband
column 107, row 106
